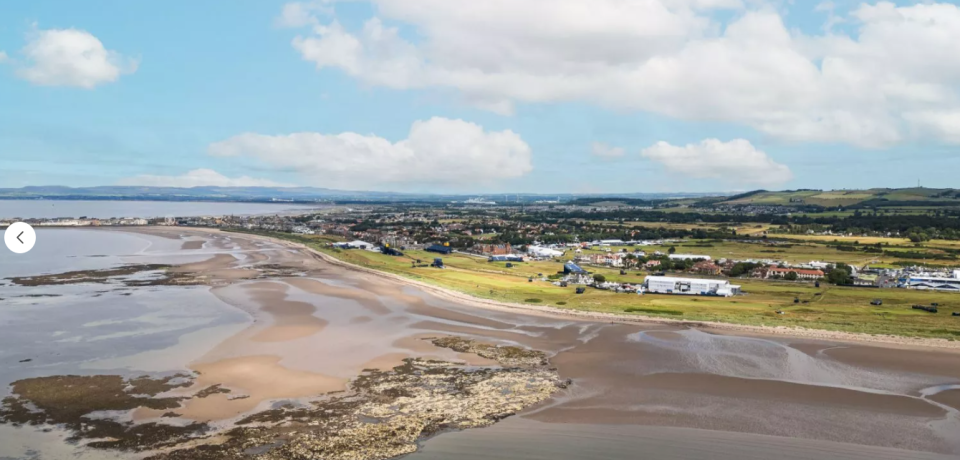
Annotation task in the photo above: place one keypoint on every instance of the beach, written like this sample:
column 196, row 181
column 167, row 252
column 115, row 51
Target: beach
column 289, row 333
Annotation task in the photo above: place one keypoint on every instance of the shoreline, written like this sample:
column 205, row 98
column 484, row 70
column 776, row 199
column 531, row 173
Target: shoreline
column 456, row 296
column 312, row 322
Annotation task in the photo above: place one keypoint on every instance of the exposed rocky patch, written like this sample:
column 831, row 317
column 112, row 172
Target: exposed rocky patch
column 127, row 275
column 384, row 414
column 210, row 391
column 506, row 355
column 273, row 271
column 74, row 403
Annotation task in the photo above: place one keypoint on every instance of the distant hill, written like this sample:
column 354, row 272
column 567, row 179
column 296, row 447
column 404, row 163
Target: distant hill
column 189, row 194
column 290, row 194
column 879, row 197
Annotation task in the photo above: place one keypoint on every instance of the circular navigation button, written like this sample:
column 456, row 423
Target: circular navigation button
column 20, row 237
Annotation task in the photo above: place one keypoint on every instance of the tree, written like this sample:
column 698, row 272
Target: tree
column 599, row 278
column 791, row 276
column 672, row 250
column 839, row 276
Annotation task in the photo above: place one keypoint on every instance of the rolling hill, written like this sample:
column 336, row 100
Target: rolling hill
column 879, row 197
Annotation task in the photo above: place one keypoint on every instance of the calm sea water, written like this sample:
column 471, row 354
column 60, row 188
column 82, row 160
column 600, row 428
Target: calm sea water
column 49, row 209
column 85, row 328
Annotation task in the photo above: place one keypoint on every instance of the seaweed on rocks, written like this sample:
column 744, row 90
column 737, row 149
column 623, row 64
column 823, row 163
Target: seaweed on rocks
column 71, row 401
column 134, row 275
column 506, row 355
column 210, row 391
column 384, row 413
column 101, row 276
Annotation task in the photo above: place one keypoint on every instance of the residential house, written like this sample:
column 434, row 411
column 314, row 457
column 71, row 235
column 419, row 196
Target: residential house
column 706, row 267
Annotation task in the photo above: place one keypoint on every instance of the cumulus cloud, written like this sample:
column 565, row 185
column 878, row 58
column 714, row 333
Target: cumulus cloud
column 937, row 124
column 71, row 57
column 437, row 151
column 599, row 149
column 669, row 57
column 302, row 14
column 198, row 178
column 735, row 162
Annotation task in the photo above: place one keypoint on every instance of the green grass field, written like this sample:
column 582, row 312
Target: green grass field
column 829, row 307
column 833, row 198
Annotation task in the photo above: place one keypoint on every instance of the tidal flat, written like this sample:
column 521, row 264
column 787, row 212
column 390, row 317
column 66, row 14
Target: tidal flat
column 183, row 344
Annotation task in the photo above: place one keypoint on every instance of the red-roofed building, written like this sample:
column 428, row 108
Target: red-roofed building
column 706, row 267
column 803, row 274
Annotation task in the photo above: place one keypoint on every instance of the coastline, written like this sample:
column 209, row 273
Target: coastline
column 456, row 296
column 314, row 326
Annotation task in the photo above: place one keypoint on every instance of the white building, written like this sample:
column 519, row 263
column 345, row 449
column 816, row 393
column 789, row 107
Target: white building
column 817, row 265
column 543, row 253
column 934, row 283
column 688, row 257
column 356, row 244
column 611, row 242
column 689, row 286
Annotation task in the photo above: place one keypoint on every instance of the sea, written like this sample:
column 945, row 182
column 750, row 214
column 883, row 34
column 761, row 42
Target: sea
column 52, row 209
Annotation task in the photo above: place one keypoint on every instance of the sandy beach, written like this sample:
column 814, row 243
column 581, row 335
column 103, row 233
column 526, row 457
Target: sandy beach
column 600, row 316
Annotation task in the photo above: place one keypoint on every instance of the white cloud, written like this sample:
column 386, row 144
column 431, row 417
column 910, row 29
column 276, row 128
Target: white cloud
column 3, row 57
column 71, row 57
column 938, row 124
column 599, row 149
column 302, row 14
column 667, row 57
column 199, row 178
column 438, row 151
column 735, row 162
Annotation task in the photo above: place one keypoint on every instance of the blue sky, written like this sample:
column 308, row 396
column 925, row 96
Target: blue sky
column 518, row 96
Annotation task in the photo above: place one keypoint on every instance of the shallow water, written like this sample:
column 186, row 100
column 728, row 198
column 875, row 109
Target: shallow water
column 77, row 329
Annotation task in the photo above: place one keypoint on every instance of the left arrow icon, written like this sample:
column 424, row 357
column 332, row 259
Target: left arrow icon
column 20, row 237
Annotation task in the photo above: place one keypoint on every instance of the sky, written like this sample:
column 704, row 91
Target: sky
column 481, row 96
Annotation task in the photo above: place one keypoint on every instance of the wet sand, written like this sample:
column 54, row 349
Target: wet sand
column 290, row 320
column 525, row 440
column 313, row 326
column 950, row 398
column 254, row 379
column 191, row 245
